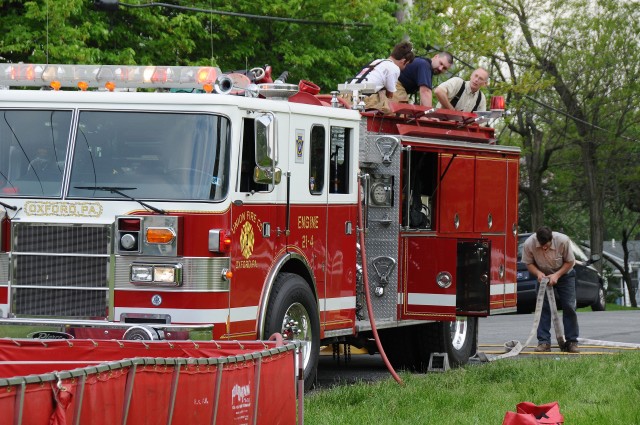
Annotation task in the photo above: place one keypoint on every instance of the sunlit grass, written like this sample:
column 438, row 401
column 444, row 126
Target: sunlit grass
column 22, row 331
column 602, row 389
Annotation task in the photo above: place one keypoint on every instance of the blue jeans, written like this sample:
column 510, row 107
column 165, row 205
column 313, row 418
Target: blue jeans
column 565, row 299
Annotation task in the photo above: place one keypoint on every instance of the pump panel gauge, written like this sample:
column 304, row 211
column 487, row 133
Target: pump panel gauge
column 381, row 191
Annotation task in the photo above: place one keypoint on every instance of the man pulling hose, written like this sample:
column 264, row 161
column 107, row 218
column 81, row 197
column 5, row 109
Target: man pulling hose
column 549, row 255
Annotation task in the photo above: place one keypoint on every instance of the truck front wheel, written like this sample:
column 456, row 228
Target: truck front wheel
column 293, row 312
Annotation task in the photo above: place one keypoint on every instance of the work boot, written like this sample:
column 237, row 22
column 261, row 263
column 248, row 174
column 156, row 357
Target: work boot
column 543, row 347
column 572, row 347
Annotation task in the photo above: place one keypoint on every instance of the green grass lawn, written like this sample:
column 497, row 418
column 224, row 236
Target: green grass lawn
column 601, row 389
column 611, row 307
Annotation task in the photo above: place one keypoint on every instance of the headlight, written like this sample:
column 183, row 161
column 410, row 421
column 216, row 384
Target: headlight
column 164, row 274
column 161, row 274
column 141, row 273
column 523, row 275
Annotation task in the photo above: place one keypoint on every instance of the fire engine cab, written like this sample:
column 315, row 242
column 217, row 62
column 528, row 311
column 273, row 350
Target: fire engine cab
column 183, row 203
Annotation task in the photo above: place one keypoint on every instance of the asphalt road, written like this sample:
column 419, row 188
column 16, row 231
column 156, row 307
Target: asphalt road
column 619, row 326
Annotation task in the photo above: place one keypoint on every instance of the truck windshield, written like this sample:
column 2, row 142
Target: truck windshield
column 33, row 147
column 157, row 155
column 177, row 156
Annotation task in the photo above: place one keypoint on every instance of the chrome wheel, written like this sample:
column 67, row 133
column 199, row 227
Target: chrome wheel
column 292, row 312
column 458, row 333
column 296, row 325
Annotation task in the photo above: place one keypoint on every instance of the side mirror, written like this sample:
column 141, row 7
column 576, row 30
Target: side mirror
column 267, row 175
column 594, row 259
column 265, row 137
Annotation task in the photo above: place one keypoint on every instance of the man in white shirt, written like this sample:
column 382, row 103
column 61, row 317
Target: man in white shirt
column 460, row 95
column 384, row 74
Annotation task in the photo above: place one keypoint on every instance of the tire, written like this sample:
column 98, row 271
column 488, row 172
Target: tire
column 458, row 339
column 525, row 309
column 400, row 347
column 291, row 300
column 601, row 302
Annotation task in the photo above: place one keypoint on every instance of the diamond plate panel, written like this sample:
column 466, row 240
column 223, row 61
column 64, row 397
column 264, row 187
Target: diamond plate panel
column 381, row 239
column 4, row 268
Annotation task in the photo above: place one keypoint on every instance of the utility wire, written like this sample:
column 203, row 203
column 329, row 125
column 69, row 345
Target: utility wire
column 577, row 119
column 249, row 16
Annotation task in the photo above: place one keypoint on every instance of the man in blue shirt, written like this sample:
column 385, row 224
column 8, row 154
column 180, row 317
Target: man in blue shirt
column 417, row 78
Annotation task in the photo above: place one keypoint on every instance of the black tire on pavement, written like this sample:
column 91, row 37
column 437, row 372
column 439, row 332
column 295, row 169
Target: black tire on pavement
column 601, row 302
column 293, row 312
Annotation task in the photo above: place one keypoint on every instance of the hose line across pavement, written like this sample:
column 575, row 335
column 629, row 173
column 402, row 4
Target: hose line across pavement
column 513, row 348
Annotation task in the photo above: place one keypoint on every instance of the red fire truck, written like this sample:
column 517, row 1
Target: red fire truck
column 177, row 203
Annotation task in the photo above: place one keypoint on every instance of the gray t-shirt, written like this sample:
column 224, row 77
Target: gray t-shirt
column 551, row 260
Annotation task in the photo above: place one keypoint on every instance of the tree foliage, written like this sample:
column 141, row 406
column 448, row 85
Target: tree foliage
column 73, row 31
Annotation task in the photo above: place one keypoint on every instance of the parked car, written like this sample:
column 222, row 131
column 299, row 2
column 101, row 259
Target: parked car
column 591, row 287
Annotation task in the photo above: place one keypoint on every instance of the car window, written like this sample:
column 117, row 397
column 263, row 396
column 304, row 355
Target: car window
column 520, row 251
column 521, row 239
column 578, row 252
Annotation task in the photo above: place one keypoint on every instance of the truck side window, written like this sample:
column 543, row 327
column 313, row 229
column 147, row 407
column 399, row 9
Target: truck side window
column 423, row 184
column 248, row 159
column 340, row 159
column 317, row 160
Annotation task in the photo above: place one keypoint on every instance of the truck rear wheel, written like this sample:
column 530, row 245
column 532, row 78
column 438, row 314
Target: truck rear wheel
column 458, row 339
column 293, row 312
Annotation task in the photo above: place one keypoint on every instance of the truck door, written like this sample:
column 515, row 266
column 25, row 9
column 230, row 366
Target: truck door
column 309, row 189
column 490, row 219
column 257, row 232
column 444, row 278
column 339, row 308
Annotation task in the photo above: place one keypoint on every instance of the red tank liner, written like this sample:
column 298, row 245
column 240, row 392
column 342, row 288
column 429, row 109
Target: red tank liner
column 163, row 382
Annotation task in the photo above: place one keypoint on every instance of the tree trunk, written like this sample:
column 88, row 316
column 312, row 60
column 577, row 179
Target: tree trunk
column 403, row 14
column 536, row 203
column 536, row 162
column 626, row 274
column 595, row 198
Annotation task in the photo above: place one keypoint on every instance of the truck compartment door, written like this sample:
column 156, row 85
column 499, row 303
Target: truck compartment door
column 444, row 278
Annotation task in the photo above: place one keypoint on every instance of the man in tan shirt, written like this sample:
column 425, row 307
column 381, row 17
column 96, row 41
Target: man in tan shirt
column 549, row 255
column 466, row 96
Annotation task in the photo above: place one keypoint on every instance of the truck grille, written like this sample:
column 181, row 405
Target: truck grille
column 60, row 270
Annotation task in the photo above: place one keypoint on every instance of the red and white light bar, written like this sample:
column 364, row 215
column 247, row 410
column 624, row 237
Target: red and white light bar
column 109, row 76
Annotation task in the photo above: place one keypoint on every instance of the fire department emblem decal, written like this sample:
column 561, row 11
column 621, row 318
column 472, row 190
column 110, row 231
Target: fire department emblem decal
column 246, row 240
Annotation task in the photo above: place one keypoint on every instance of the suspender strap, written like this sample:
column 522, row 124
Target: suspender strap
column 362, row 75
column 456, row 98
column 475, row 108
